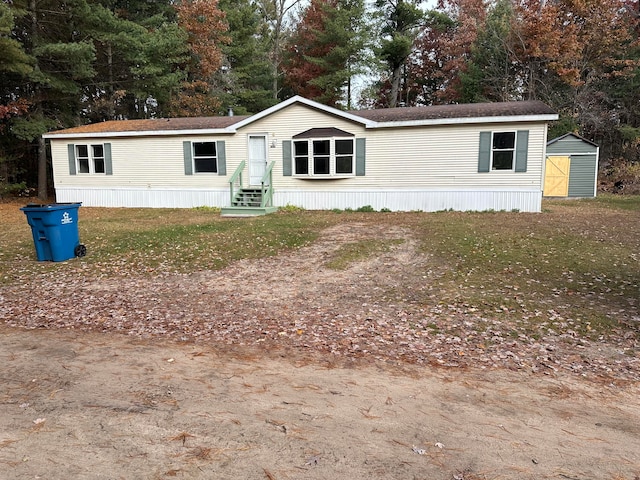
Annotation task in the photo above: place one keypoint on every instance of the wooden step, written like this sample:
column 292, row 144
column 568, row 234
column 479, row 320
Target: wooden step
column 246, row 211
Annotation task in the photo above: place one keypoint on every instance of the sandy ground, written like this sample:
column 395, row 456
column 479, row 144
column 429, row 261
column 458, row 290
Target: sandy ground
column 95, row 406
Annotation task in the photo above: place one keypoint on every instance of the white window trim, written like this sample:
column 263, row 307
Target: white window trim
column 90, row 158
column 193, row 158
column 513, row 150
column 332, row 158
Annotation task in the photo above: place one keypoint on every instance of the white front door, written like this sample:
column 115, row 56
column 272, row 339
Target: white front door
column 257, row 158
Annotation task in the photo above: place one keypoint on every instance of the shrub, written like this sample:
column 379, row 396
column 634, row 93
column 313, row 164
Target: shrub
column 366, row 208
column 11, row 188
column 288, row 208
column 621, row 176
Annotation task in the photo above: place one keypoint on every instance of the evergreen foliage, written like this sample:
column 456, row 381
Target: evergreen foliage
column 65, row 63
column 244, row 83
column 326, row 51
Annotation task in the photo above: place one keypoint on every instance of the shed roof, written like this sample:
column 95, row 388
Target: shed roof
column 571, row 134
column 380, row 118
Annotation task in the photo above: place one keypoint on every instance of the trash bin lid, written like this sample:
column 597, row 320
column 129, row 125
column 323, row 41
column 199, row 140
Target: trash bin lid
column 50, row 206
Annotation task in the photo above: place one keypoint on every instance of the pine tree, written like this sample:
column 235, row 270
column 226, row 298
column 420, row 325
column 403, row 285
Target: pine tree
column 137, row 65
column 245, row 81
column 51, row 33
column 401, row 19
column 15, row 66
column 325, row 51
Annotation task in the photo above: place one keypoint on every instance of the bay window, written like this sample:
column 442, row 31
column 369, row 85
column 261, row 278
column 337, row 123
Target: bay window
column 324, row 157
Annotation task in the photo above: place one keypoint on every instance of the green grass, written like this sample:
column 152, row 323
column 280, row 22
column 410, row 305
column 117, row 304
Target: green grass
column 575, row 267
column 349, row 253
column 147, row 241
column 625, row 202
column 547, row 271
column 212, row 244
column 605, row 200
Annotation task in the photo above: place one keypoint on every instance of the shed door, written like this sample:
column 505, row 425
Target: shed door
column 556, row 180
column 257, row 158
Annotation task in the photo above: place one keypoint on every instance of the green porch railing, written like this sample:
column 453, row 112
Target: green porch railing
column 267, row 190
column 236, row 178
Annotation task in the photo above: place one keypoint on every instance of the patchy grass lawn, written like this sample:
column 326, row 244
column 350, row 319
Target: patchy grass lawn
column 575, row 267
column 150, row 241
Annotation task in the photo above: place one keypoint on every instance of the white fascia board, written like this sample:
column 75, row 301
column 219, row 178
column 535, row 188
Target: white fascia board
column 308, row 103
column 143, row 133
column 465, row 121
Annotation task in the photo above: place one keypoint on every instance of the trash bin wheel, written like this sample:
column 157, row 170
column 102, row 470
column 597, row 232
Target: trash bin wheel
column 80, row 250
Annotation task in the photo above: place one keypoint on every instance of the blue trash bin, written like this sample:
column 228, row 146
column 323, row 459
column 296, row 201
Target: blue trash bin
column 55, row 231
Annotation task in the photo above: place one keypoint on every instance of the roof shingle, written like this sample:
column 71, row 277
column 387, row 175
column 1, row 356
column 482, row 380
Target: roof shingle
column 385, row 115
column 155, row 125
column 468, row 110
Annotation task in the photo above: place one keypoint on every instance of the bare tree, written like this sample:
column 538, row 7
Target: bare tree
column 275, row 14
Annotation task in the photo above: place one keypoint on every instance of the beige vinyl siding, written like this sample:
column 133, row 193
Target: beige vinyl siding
column 282, row 126
column 409, row 157
column 415, row 157
column 447, row 157
column 138, row 162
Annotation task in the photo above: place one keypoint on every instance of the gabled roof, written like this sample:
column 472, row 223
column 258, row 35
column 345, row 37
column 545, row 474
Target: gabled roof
column 571, row 134
column 351, row 116
column 381, row 118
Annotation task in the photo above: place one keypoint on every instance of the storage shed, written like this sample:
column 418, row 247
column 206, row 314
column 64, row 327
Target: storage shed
column 571, row 168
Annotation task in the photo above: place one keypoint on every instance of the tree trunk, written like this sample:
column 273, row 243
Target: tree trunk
column 41, row 147
column 42, row 170
column 395, row 87
column 276, row 66
column 112, row 106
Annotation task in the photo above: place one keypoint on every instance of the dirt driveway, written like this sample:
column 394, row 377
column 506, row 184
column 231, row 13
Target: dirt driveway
column 314, row 374
column 92, row 406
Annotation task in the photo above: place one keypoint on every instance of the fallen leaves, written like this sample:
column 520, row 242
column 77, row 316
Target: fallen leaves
column 181, row 437
column 385, row 308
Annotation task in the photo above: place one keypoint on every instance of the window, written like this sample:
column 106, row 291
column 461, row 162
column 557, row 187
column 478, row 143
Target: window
column 344, row 157
column 301, row 156
column 205, row 157
column 324, row 157
column 503, row 149
column 90, row 158
column 321, row 157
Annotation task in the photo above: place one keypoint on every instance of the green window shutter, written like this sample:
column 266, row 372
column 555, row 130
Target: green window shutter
column 188, row 160
column 286, row 158
column 484, row 155
column 522, row 148
column 222, row 157
column 108, row 167
column 71, row 148
column 361, row 154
